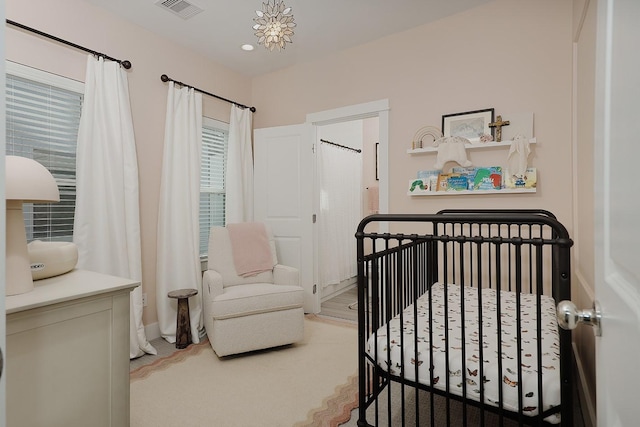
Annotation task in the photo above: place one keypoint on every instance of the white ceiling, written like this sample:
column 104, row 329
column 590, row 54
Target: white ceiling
column 323, row 26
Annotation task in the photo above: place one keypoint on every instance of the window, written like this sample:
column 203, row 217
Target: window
column 42, row 120
column 215, row 137
column 43, row 115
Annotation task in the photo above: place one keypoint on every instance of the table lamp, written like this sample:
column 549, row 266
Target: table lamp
column 26, row 181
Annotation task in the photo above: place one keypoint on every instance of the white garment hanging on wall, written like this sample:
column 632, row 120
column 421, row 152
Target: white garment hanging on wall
column 239, row 173
column 178, row 251
column 106, row 225
column 518, row 156
column 340, row 183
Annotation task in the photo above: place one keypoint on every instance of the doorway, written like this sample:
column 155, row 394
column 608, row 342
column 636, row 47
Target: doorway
column 284, row 187
column 365, row 127
column 347, row 190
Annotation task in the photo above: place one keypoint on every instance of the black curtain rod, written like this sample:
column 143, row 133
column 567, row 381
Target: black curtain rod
column 357, row 150
column 166, row 78
column 126, row 64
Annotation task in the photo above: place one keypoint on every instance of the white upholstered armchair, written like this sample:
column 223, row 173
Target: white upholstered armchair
column 253, row 312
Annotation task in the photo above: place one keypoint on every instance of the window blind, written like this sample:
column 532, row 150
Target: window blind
column 42, row 123
column 212, row 185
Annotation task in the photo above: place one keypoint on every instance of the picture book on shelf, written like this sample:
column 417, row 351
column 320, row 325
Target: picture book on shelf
column 529, row 180
column 418, row 185
column 457, row 183
column 469, row 172
column 428, row 173
column 489, row 178
column 482, row 178
column 443, row 180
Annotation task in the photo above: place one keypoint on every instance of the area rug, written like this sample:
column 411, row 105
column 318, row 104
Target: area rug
column 311, row 383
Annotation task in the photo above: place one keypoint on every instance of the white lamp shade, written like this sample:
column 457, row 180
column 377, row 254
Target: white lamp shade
column 26, row 181
column 29, row 181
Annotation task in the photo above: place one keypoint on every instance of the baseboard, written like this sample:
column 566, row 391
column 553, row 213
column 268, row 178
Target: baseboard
column 587, row 409
column 152, row 331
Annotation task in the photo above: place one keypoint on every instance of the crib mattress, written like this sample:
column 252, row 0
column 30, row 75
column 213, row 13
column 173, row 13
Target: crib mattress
column 493, row 378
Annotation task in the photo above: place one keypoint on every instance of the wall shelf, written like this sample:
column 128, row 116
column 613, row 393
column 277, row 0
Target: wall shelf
column 471, row 192
column 476, row 146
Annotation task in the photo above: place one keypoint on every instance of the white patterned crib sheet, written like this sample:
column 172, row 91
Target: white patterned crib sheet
column 493, row 378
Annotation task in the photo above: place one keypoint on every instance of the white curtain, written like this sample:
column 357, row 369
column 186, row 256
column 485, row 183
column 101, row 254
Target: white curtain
column 340, row 179
column 239, row 173
column 107, row 219
column 178, row 252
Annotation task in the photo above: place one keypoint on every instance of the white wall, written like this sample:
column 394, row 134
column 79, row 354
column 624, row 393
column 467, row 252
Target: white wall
column 512, row 55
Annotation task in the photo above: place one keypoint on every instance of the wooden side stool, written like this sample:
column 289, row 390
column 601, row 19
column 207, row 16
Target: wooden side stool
column 183, row 322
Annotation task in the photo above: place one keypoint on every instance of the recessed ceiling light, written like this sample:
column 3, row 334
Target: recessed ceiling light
column 247, row 47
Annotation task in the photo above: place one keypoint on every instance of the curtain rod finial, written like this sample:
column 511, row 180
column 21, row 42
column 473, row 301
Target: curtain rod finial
column 164, row 78
column 126, row 64
column 252, row 109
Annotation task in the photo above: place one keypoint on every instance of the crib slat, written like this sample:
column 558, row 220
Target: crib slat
column 539, row 286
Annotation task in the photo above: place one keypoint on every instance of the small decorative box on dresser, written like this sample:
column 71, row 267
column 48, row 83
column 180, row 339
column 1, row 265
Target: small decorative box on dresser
column 68, row 352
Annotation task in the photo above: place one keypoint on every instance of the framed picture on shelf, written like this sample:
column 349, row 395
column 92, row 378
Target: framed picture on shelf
column 471, row 124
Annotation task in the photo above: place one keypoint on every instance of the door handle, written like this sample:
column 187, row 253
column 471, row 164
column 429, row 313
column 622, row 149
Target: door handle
column 569, row 316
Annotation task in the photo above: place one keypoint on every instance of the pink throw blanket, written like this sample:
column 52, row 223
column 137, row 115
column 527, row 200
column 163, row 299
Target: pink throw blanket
column 250, row 248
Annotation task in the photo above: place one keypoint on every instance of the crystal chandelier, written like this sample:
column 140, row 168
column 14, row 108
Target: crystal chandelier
column 274, row 25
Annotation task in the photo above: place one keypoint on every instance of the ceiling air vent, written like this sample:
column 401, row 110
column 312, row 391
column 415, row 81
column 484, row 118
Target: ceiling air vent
column 182, row 8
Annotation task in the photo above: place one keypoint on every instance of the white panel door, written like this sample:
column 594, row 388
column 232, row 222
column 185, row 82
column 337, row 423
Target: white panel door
column 617, row 211
column 283, row 198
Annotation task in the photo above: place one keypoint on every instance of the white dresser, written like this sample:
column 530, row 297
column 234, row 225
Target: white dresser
column 68, row 352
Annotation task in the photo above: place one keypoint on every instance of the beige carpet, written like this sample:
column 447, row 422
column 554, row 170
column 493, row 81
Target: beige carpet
column 311, row 383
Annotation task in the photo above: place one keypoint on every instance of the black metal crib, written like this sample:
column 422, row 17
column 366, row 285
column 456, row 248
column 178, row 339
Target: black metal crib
column 456, row 319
